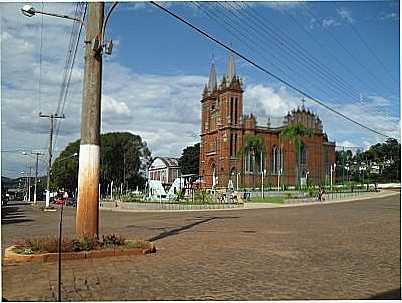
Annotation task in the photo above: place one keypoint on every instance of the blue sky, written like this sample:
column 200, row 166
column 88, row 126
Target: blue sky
column 343, row 53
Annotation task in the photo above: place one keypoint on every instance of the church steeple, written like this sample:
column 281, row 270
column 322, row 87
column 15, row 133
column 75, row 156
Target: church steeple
column 231, row 72
column 212, row 83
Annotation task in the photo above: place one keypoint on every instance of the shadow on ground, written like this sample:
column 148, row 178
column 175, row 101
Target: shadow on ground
column 177, row 230
column 394, row 294
column 12, row 214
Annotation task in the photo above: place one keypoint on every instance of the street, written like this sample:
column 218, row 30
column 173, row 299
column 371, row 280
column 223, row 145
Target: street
column 325, row 251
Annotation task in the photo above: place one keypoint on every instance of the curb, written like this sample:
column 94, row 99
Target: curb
column 256, row 205
column 383, row 195
column 11, row 256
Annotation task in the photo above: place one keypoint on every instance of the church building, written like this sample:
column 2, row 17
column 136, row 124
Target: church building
column 224, row 129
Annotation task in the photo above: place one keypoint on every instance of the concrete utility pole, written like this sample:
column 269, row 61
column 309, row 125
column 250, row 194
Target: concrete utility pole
column 29, row 185
column 51, row 119
column 89, row 162
column 36, row 173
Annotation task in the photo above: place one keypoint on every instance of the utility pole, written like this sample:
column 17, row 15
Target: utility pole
column 87, row 221
column 36, row 173
column 51, row 119
column 29, row 185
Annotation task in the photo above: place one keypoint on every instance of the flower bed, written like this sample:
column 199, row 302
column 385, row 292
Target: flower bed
column 46, row 250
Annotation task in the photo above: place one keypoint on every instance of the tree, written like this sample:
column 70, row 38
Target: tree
column 253, row 144
column 190, row 159
column 295, row 133
column 385, row 155
column 124, row 158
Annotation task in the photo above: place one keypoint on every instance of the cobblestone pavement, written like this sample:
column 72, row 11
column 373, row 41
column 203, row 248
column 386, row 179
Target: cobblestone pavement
column 330, row 251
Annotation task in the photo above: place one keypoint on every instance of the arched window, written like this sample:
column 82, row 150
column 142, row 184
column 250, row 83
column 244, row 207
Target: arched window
column 249, row 162
column 276, row 160
column 303, row 155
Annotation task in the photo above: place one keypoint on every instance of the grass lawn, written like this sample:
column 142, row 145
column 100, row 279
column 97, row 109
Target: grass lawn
column 269, row 199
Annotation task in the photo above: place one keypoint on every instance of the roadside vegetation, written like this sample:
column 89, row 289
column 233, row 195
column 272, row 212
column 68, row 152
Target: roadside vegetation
column 51, row 244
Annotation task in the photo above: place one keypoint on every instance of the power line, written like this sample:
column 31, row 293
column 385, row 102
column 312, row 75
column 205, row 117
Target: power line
column 308, row 63
column 218, row 18
column 376, row 80
column 268, row 72
column 256, row 16
column 379, row 61
column 64, row 97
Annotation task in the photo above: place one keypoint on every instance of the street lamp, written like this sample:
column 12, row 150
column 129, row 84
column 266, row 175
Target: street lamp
column 28, row 179
column 30, row 11
column 333, row 167
column 87, row 222
column 307, row 173
column 66, row 158
column 263, row 172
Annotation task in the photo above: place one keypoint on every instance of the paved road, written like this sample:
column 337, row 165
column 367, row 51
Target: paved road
column 338, row 251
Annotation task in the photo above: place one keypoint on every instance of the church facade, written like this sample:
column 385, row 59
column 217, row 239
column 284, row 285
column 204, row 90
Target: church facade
column 224, row 129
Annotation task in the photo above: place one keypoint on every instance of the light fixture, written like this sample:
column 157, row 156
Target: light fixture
column 28, row 10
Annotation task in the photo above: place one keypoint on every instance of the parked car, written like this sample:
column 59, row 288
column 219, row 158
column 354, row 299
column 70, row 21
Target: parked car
column 59, row 201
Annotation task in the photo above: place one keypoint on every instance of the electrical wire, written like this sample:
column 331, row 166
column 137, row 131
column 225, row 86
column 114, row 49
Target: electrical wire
column 67, row 85
column 375, row 79
column 264, row 26
column 328, row 51
column 300, row 91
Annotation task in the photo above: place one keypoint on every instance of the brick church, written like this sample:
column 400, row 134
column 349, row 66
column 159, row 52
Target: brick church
column 223, row 132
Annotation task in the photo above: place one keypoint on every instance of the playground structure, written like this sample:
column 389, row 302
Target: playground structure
column 188, row 188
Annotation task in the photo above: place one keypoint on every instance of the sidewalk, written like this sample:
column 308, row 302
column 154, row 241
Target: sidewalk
column 369, row 195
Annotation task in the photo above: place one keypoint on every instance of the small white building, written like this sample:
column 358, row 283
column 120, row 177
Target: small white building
column 164, row 169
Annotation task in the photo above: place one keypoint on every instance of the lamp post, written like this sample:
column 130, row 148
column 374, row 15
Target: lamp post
column 333, row 169
column 25, row 184
column 263, row 172
column 36, row 173
column 30, row 11
column 87, row 220
column 279, row 178
column 307, row 173
column 28, row 179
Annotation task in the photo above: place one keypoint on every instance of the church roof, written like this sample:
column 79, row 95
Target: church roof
column 231, row 72
column 212, row 83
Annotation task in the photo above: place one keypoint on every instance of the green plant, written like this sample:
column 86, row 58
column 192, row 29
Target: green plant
column 137, row 244
column 88, row 243
column 112, row 240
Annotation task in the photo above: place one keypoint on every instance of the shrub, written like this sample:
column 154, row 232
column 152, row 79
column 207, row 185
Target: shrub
column 112, row 240
column 137, row 244
column 51, row 244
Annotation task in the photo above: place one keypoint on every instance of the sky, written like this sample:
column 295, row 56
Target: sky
column 346, row 54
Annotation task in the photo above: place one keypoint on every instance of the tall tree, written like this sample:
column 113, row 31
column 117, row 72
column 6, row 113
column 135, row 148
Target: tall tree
column 124, row 158
column 190, row 159
column 253, row 144
column 295, row 133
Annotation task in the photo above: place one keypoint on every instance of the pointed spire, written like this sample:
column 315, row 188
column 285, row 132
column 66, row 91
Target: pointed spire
column 303, row 108
column 205, row 92
column 231, row 72
column 212, row 78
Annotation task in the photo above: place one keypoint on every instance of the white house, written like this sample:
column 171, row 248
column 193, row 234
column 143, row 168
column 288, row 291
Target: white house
column 164, row 169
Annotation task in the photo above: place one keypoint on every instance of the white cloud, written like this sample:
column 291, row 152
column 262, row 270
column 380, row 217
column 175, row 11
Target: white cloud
column 328, row 22
column 164, row 110
column 266, row 101
column 111, row 105
column 389, row 16
column 345, row 14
